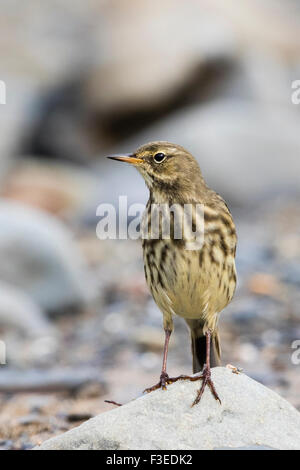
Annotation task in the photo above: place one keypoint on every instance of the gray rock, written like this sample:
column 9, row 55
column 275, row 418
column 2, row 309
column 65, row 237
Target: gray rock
column 126, row 74
column 250, row 415
column 39, row 256
column 18, row 311
column 26, row 331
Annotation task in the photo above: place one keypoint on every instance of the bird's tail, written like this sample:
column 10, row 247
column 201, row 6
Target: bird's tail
column 199, row 349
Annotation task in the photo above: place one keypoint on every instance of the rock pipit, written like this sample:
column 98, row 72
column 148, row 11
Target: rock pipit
column 197, row 281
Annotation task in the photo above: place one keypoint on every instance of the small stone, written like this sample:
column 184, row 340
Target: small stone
column 75, row 417
column 30, row 419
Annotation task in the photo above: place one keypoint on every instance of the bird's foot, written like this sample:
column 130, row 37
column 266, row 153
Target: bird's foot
column 205, row 377
column 164, row 380
column 206, row 380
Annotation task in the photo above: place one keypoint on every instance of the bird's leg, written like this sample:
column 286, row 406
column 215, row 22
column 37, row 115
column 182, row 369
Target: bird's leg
column 206, row 374
column 205, row 377
column 164, row 378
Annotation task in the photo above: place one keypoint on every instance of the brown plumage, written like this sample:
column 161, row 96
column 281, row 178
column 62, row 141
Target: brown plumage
column 194, row 283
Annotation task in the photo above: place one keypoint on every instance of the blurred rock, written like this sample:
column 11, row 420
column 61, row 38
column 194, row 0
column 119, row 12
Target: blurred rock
column 39, row 256
column 144, row 69
column 291, row 273
column 12, row 122
column 127, row 66
column 149, row 338
column 32, row 52
column 75, row 417
column 93, row 97
column 250, row 415
column 54, row 380
column 289, row 246
column 264, row 284
column 6, row 445
column 249, row 18
column 38, row 56
column 18, row 311
column 33, row 418
column 61, row 189
column 61, row 130
column 127, row 80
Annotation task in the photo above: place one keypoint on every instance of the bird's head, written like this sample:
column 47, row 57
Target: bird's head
column 165, row 167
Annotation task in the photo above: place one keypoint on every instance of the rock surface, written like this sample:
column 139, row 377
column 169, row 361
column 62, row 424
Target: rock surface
column 250, row 415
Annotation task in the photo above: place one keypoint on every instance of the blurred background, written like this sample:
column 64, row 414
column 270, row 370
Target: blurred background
column 87, row 79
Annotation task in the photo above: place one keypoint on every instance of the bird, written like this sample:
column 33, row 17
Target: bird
column 193, row 282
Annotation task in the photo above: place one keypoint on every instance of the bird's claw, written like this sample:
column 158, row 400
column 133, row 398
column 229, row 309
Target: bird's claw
column 206, row 380
column 163, row 381
column 205, row 377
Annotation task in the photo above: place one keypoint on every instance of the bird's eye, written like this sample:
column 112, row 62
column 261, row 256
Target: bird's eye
column 159, row 157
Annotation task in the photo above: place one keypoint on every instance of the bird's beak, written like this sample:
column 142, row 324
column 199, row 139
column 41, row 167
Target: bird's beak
column 126, row 158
